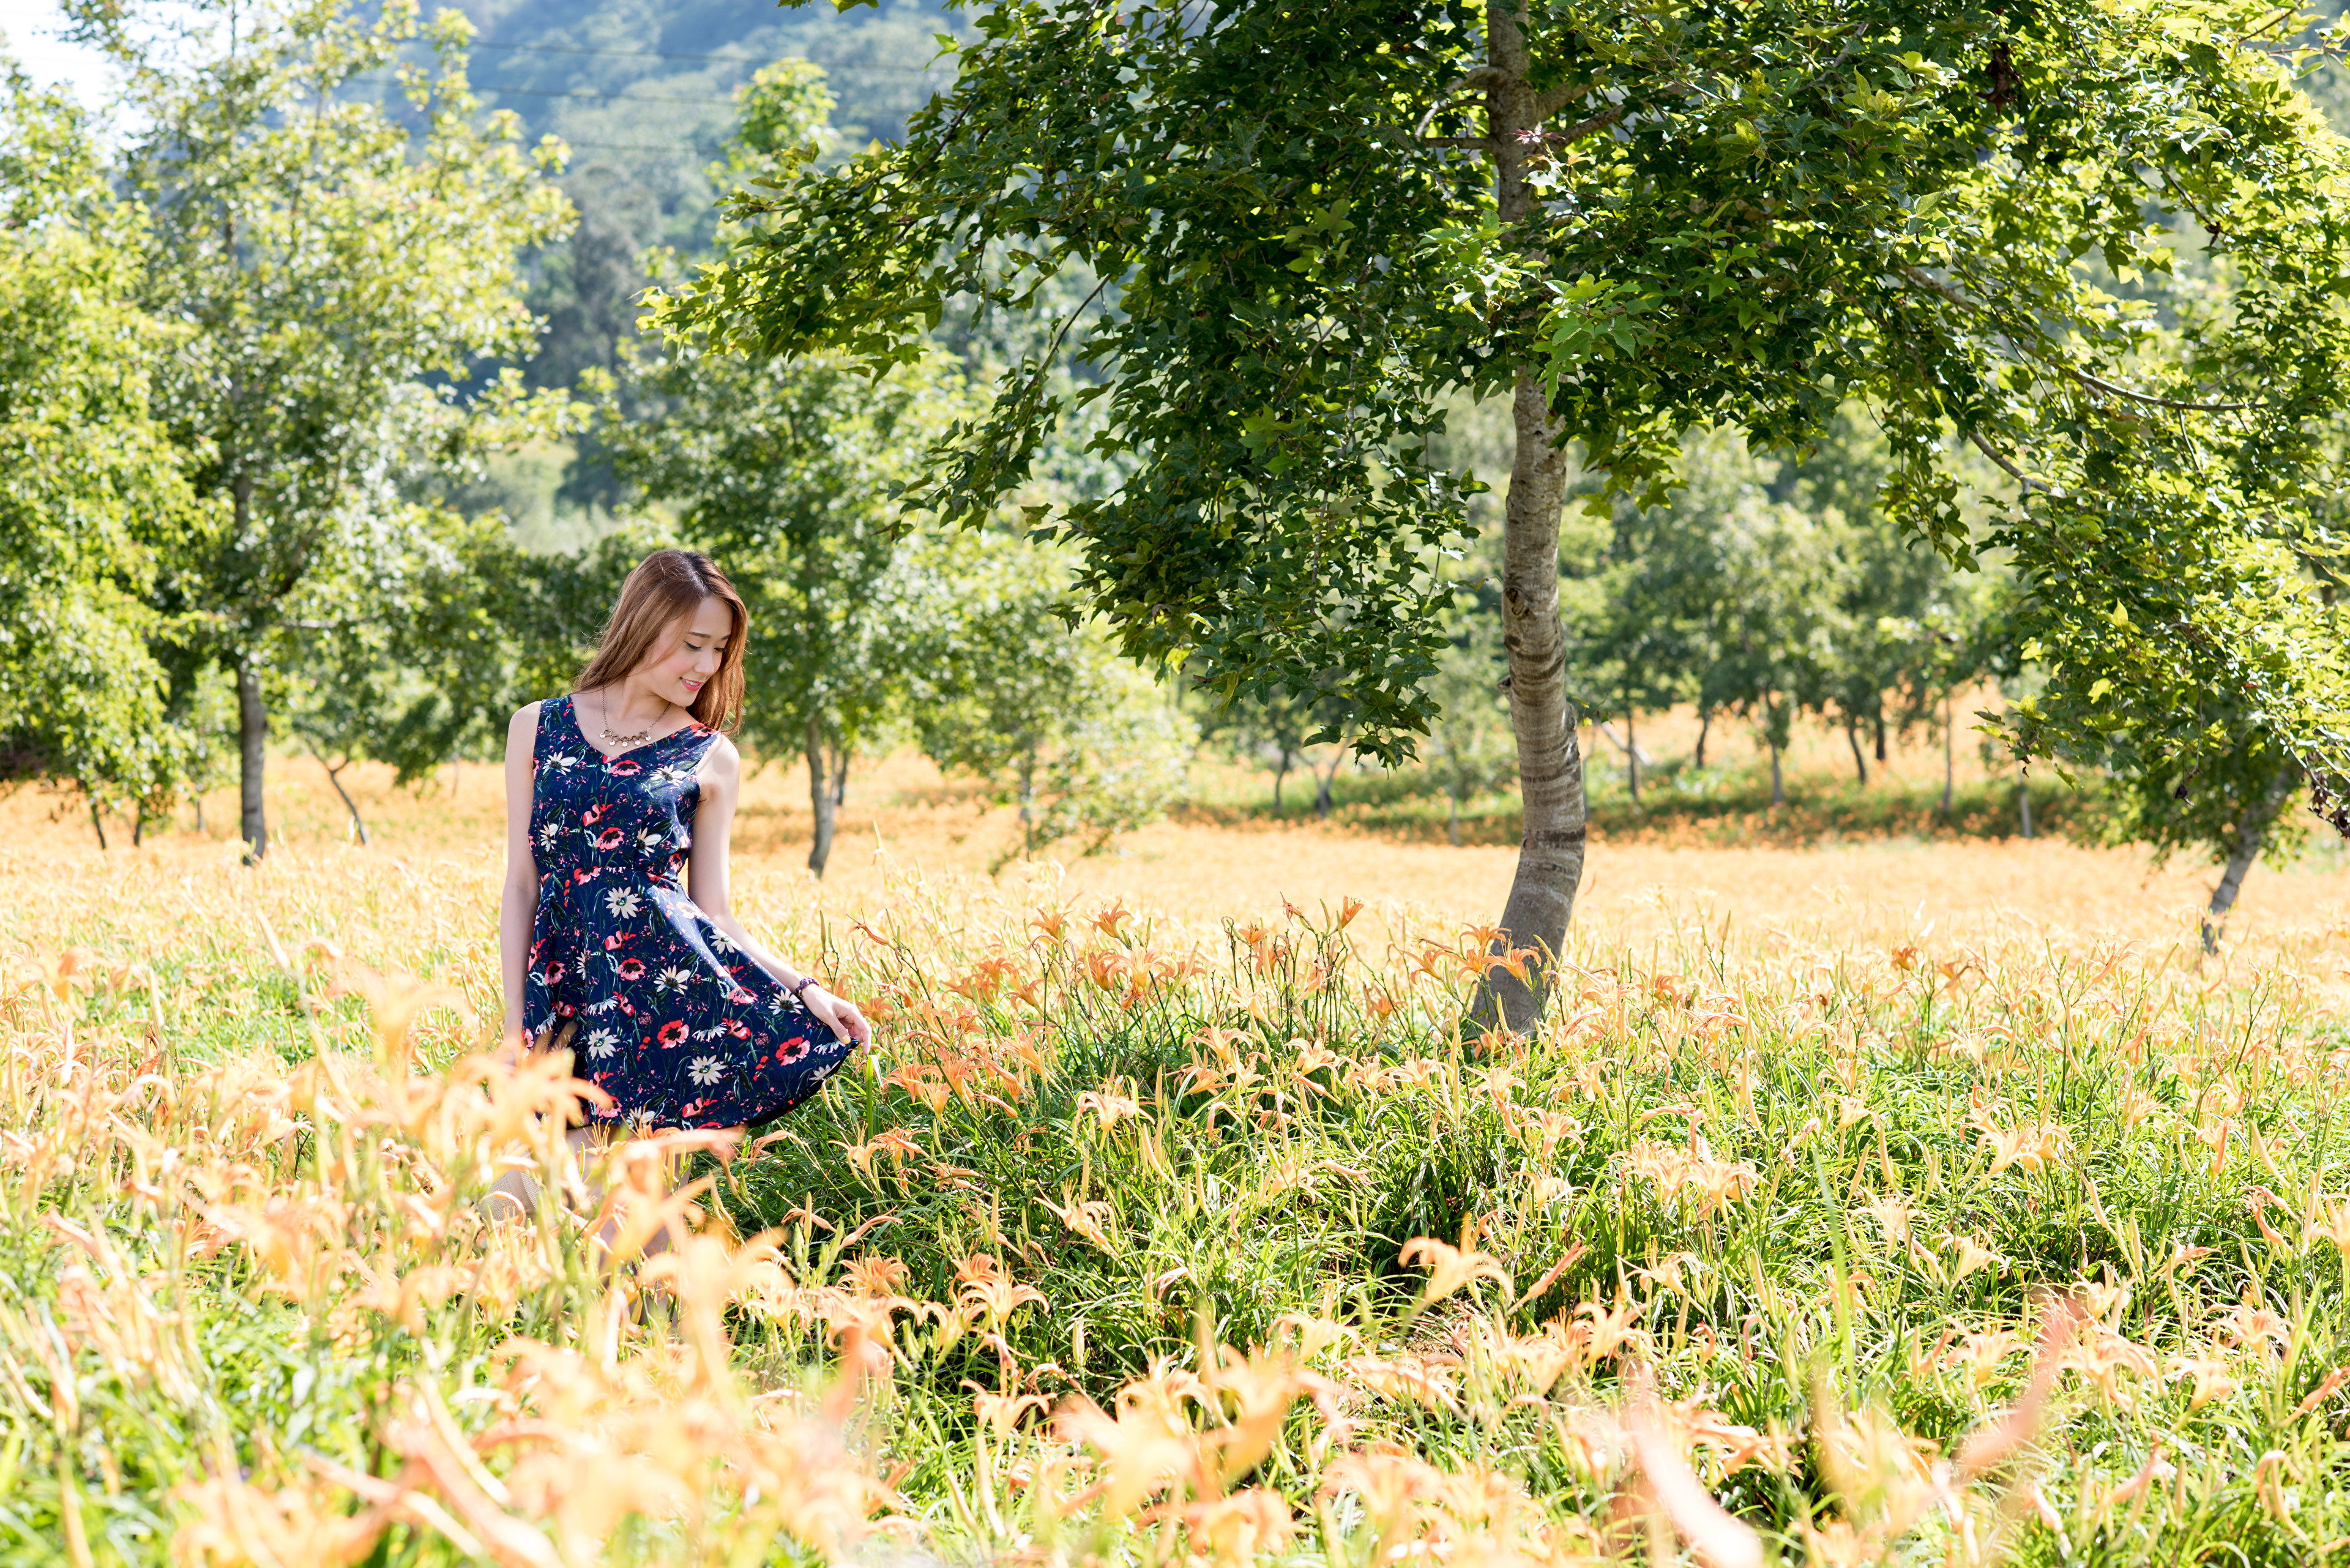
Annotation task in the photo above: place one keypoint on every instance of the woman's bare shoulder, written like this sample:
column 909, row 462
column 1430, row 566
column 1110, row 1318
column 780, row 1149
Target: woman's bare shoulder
column 523, row 728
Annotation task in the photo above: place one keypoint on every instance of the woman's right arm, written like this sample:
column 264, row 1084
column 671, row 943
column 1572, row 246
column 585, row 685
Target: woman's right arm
column 518, row 905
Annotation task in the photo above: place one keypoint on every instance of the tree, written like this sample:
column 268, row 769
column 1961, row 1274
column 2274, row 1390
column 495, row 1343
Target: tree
column 1888, row 583
column 1285, row 726
column 1081, row 742
column 2228, row 810
column 94, row 497
column 432, row 670
column 1324, row 221
column 1943, row 644
column 337, row 271
column 785, row 471
column 1721, row 593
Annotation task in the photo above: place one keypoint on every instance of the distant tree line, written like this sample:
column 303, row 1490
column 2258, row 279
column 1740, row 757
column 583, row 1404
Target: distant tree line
column 244, row 399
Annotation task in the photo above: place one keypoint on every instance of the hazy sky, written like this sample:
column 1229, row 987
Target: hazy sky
column 30, row 28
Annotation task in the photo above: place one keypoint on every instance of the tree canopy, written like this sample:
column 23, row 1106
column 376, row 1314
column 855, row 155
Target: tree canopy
column 336, row 273
column 93, row 497
column 1320, row 220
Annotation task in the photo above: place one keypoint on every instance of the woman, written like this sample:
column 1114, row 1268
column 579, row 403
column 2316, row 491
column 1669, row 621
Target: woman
column 664, row 1000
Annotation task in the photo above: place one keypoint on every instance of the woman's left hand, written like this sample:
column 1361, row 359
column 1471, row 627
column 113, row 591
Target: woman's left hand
column 839, row 1014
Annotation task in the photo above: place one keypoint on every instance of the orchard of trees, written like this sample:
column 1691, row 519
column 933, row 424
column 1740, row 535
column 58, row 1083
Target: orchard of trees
column 1344, row 381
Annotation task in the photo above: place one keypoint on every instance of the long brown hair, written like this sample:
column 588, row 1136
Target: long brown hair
column 666, row 586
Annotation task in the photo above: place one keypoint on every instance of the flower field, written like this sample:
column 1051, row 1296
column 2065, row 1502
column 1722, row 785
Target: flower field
column 1153, row 1238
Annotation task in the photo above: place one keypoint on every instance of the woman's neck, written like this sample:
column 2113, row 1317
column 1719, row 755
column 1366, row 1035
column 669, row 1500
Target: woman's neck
column 628, row 709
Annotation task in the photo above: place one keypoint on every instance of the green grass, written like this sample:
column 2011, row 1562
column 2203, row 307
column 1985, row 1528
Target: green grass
column 1715, row 806
column 201, row 1322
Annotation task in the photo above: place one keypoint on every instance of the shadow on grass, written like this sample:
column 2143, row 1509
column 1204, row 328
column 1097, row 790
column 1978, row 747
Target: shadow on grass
column 1714, row 809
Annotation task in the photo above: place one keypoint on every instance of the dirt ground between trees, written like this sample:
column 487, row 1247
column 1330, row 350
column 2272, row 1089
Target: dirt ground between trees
column 902, row 820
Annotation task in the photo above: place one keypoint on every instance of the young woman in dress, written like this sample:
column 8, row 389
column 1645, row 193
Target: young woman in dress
column 616, row 934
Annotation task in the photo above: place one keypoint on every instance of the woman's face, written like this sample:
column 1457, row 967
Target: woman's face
column 690, row 653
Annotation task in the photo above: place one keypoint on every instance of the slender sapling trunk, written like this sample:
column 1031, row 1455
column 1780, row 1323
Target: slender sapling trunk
column 822, row 801
column 98, row 823
column 2251, row 833
column 1852, row 739
column 2023, row 804
column 1631, row 756
column 335, row 777
column 1771, row 734
column 252, row 737
column 1704, row 728
column 1028, row 800
column 1950, row 752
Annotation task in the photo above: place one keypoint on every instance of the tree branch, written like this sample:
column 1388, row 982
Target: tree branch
column 2149, row 399
column 1992, row 452
column 2086, row 379
column 1582, row 127
column 1557, row 98
column 1448, row 101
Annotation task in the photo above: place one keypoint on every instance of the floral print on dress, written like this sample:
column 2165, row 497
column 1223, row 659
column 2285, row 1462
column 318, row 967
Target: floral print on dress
column 662, row 1013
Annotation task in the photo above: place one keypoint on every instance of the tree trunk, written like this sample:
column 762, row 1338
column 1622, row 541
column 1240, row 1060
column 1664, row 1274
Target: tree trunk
column 98, row 825
column 1950, row 752
column 1631, row 756
column 1704, row 728
column 1771, row 735
column 822, row 800
column 1280, row 775
column 1852, row 739
column 1322, row 786
column 1879, row 718
column 137, row 825
column 200, row 813
column 358, row 823
column 1452, row 814
column 1028, row 802
column 1550, row 760
column 335, row 777
column 2023, row 804
column 2252, row 833
column 252, row 734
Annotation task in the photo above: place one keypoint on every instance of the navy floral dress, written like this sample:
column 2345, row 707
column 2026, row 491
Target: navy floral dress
column 661, row 1009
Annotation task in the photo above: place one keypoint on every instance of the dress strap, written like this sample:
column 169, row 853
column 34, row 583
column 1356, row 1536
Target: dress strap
column 550, row 709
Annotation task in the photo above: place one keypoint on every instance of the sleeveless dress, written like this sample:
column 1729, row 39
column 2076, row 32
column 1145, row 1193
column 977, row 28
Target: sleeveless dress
column 660, row 1009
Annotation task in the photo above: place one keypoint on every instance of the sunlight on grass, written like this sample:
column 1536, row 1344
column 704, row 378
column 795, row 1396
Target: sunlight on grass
column 1141, row 1240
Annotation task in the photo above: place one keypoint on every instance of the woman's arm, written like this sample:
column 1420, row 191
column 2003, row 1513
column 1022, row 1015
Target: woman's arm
column 714, row 824
column 518, row 903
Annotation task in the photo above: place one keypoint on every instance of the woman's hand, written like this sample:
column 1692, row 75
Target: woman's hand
column 838, row 1013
